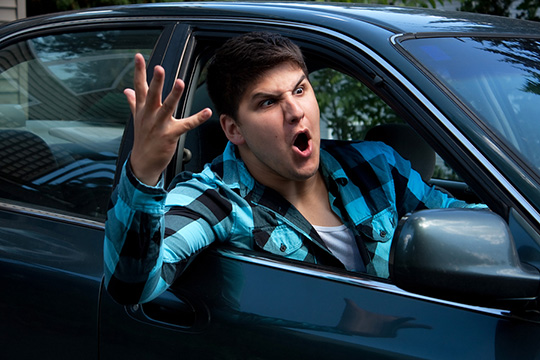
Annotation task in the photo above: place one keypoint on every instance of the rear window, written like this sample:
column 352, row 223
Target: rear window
column 62, row 115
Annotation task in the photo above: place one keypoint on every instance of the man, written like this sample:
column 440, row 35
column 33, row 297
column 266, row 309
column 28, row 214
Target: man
column 274, row 188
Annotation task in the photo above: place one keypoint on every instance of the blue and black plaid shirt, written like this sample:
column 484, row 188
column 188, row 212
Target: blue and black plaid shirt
column 151, row 235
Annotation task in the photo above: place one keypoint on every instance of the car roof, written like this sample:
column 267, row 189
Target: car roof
column 395, row 19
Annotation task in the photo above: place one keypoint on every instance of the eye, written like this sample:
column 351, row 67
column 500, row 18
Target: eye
column 299, row 91
column 267, row 102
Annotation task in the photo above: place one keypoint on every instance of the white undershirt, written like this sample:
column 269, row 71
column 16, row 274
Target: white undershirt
column 340, row 241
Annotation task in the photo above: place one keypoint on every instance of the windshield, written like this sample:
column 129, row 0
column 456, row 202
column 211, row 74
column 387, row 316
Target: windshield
column 498, row 79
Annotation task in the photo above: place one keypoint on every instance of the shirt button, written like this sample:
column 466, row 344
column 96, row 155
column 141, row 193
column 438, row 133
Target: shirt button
column 382, row 233
column 283, row 248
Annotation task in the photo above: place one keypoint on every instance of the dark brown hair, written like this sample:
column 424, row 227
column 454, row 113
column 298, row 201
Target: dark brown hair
column 241, row 61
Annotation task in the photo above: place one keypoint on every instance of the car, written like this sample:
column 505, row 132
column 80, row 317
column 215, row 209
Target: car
column 457, row 94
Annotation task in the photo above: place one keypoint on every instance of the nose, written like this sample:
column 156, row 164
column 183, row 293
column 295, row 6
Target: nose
column 292, row 110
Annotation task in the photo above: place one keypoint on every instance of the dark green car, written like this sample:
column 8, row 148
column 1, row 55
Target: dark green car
column 457, row 94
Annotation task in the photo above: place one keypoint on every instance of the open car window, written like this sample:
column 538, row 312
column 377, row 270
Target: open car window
column 350, row 111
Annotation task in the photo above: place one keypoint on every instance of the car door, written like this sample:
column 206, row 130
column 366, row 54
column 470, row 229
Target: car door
column 62, row 116
column 240, row 304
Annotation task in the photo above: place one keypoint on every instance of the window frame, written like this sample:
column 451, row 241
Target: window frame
column 353, row 63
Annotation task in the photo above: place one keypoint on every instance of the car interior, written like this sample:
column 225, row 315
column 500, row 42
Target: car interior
column 203, row 144
column 207, row 141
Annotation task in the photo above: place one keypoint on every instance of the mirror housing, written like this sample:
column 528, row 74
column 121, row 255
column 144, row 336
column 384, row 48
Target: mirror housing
column 462, row 255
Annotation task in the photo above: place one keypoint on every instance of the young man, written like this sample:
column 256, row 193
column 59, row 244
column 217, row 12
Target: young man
column 274, row 189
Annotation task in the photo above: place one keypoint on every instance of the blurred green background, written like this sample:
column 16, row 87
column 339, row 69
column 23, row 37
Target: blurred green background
column 522, row 9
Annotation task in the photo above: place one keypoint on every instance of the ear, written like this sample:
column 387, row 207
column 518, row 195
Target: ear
column 231, row 129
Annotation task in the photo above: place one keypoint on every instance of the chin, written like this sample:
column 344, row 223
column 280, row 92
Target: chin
column 306, row 174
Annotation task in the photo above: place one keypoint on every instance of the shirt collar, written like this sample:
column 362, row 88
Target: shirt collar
column 234, row 172
column 331, row 169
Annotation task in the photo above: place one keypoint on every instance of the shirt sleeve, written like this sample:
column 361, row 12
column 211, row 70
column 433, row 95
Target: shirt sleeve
column 416, row 194
column 148, row 242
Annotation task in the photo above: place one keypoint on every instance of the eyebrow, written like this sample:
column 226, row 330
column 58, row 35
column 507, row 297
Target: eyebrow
column 264, row 95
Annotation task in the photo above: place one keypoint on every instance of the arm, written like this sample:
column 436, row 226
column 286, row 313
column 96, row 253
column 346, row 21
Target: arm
column 134, row 231
column 416, row 194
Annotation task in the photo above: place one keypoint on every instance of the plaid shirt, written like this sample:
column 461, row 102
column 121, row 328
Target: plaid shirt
column 151, row 235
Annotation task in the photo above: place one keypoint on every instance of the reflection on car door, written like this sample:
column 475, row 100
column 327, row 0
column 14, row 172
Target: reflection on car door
column 242, row 306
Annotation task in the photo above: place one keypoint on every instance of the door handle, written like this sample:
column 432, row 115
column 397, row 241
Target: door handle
column 178, row 311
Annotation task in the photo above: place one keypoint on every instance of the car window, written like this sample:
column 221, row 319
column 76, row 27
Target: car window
column 501, row 84
column 62, row 115
column 350, row 110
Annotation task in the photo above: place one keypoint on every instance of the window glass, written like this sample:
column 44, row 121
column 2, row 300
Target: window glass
column 62, row 115
column 501, row 84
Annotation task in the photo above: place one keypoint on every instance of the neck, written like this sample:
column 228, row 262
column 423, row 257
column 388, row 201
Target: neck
column 298, row 192
column 310, row 197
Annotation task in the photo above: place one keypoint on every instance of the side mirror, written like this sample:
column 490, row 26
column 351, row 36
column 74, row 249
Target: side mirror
column 462, row 255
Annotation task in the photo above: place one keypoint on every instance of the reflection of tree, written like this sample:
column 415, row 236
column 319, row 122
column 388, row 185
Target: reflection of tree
column 525, row 53
column 347, row 106
column 78, row 75
column 88, row 74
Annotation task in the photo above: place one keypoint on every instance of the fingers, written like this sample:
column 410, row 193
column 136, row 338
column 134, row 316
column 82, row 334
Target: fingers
column 145, row 101
column 130, row 96
column 171, row 102
column 139, row 81
column 147, row 98
column 154, row 93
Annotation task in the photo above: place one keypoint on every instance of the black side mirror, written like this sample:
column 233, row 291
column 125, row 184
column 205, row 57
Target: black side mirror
column 462, row 255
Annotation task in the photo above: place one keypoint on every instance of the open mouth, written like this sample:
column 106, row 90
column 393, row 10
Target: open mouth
column 301, row 142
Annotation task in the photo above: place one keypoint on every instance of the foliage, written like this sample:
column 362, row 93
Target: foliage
column 529, row 10
column 417, row 3
column 525, row 9
column 348, row 107
column 37, row 7
column 493, row 7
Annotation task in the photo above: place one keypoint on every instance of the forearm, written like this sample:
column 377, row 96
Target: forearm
column 133, row 236
column 433, row 198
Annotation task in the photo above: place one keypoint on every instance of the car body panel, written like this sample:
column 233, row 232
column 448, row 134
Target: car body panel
column 51, row 276
column 301, row 312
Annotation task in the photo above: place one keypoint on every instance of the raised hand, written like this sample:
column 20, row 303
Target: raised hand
column 156, row 131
